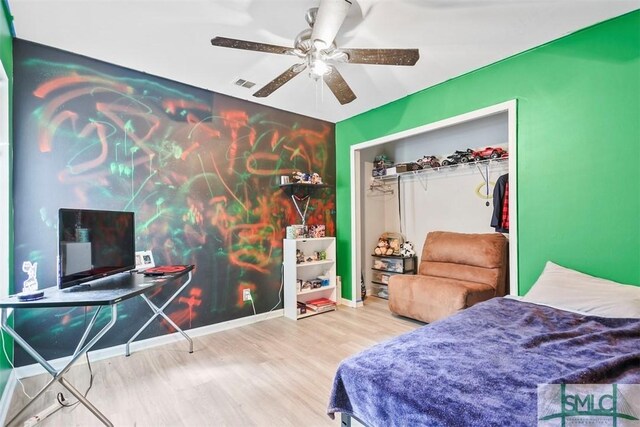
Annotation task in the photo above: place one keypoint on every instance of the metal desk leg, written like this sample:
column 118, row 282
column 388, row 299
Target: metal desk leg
column 58, row 375
column 160, row 312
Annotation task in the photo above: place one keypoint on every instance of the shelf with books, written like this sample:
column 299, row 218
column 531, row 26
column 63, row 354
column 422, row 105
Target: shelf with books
column 309, row 280
column 313, row 313
column 316, row 306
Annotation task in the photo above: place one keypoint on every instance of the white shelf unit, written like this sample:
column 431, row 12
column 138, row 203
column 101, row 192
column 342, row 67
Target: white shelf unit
column 308, row 271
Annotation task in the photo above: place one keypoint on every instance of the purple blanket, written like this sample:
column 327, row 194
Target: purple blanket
column 482, row 366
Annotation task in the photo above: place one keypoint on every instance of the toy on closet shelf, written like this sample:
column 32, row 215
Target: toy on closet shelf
column 380, row 164
column 489, row 153
column 428, row 162
column 382, row 161
column 458, row 156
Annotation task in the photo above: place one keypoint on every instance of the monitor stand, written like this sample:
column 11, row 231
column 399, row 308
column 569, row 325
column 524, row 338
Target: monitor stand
column 80, row 288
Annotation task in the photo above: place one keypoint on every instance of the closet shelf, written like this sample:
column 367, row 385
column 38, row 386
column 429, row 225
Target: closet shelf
column 449, row 170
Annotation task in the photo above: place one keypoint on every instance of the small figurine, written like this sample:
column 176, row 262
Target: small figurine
column 316, row 179
column 297, row 176
column 31, row 284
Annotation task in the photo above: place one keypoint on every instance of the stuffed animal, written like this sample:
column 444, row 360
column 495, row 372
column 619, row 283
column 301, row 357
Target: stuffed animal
column 382, row 248
column 394, row 245
column 407, row 250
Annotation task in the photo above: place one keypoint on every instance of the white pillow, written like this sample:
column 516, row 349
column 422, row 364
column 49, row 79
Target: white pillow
column 571, row 290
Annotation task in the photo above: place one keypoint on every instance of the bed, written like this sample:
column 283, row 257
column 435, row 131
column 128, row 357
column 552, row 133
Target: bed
column 483, row 365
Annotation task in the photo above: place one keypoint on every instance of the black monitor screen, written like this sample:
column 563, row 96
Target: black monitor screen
column 94, row 244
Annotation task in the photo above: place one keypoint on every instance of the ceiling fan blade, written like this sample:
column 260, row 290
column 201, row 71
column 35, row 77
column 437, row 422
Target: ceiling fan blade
column 338, row 86
column 331, row 15
column 246, row 45
column 382, row 56
column 275, row 84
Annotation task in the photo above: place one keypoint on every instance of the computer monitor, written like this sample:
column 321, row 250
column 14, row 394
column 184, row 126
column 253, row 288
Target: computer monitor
column 94, row 244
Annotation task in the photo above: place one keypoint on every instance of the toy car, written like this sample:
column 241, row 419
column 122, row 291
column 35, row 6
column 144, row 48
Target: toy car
column 458, row 157
column 489, row 153
column 428, row 161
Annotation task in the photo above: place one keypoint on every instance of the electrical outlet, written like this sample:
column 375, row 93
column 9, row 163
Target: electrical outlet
column 246, row 294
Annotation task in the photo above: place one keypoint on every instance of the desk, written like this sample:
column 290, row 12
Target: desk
column 107, row 292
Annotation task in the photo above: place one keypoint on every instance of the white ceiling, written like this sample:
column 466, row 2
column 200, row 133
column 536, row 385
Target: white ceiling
column 171, row 38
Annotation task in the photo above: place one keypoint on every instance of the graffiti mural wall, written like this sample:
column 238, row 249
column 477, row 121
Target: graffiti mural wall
column 200, row 170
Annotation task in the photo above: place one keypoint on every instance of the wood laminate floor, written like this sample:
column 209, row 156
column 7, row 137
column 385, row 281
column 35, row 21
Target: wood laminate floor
column 273, row 373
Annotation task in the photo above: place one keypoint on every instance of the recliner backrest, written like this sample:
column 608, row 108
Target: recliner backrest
column 480, row 258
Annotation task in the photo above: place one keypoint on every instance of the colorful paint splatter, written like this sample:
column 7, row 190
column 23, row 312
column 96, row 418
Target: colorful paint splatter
column 200, row 171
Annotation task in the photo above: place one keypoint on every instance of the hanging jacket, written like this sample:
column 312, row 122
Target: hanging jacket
column 500, row 205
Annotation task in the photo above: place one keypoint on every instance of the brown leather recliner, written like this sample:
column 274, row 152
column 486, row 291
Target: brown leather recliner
column 456, row 271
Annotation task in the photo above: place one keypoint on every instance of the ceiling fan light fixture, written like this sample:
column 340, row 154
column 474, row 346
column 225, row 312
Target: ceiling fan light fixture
column 318, row 68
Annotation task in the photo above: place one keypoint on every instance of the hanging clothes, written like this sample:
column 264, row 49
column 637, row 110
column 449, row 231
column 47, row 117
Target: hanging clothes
column 500, row 217
column 505, row 208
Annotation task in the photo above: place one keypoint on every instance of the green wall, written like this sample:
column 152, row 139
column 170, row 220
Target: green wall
column 6, row 56
column 578, row 148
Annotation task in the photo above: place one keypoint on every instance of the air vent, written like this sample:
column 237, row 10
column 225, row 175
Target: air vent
column 245, row 83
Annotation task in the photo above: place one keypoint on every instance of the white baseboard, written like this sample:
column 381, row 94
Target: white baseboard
column 119, row 350
column 7, row 394
column 349, row 303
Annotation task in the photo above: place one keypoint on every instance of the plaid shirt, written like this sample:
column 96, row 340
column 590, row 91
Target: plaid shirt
column 504, row 221
column 500, row 216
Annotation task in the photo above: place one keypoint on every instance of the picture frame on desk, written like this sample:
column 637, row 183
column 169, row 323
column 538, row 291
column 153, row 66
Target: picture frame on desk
column 144, row 260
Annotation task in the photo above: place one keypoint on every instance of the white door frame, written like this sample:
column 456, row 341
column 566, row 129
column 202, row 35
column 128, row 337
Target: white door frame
column 5, row 167
column 357, row 189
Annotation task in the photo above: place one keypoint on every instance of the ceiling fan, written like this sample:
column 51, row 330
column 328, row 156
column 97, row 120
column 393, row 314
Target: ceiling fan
column 316, row 47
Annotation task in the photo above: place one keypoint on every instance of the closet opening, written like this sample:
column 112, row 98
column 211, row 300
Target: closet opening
column 456, row 197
